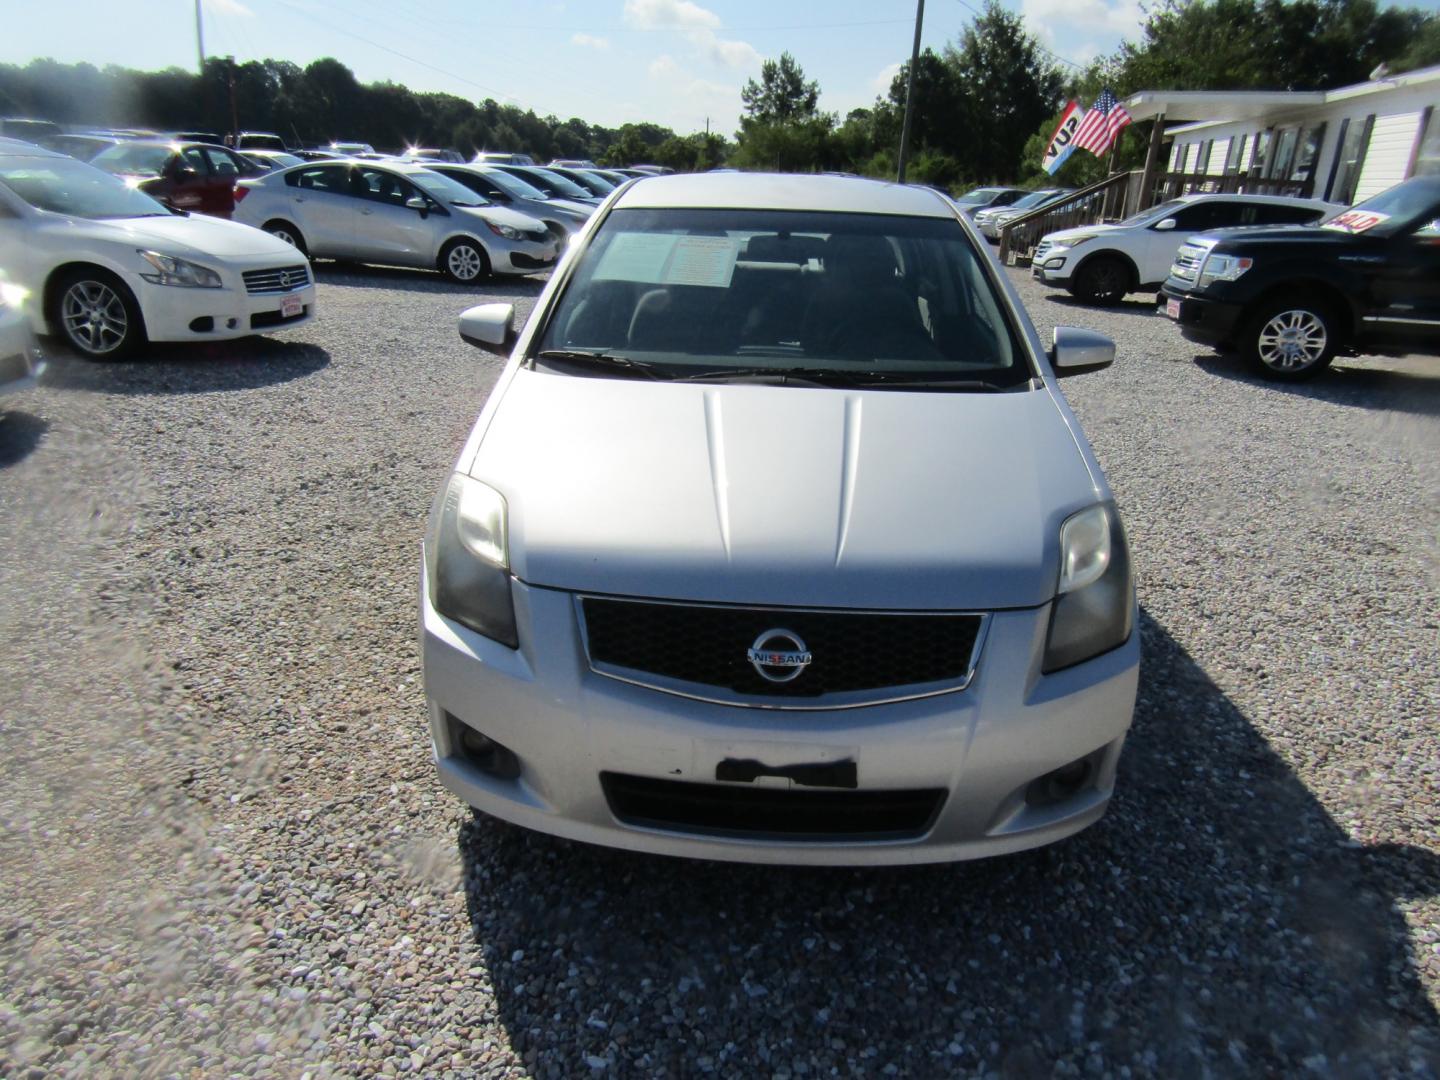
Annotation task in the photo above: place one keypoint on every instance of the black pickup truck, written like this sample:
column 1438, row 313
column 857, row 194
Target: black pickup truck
column 1290, row 298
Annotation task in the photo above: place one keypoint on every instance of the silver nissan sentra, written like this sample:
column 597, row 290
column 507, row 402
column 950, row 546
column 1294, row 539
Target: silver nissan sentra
column 777, row 542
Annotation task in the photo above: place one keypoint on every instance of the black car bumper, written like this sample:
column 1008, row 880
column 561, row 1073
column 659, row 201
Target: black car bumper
column 1211, row 322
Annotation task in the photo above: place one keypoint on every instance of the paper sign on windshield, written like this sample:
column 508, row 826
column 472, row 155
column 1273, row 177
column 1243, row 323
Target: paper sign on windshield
column 1356, row 221
column 669, row 259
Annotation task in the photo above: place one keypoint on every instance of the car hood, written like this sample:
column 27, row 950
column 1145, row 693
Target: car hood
column 784, row 495
column 194, row 237
column 1278, row 234
column 574, row 206
column 502, row 215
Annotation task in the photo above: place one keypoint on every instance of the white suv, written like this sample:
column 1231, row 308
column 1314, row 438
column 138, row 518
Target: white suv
column 1101, row 263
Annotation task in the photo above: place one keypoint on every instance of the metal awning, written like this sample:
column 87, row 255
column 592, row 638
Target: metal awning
column 1191, row 106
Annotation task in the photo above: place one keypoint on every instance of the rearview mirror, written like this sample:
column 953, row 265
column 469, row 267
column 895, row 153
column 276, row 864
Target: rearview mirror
column 1077, row 351
column 492, row 327
column 1165, row 224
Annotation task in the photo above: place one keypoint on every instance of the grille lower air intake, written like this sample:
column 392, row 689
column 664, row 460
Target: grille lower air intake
column 771, row 813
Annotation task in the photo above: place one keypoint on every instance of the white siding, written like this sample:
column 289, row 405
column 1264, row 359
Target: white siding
column 1187, row 156
column 1247, row 144
column 1392, row 142
column 1174, row 154
column 1218, row 151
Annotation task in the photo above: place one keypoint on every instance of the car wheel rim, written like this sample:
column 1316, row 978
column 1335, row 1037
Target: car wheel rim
column 94, row 317
column 464, row 262
column 1292, row 340
column 1105, row 280
column 281, row 234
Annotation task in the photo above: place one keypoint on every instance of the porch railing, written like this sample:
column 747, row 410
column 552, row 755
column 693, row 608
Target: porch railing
column 1103, row 200
column 1172, row 184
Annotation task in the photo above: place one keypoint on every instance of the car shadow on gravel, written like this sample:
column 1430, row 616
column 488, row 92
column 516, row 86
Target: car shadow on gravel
column 1344, row 383
column 20, row 434
column 244, row 364
column 1217, row 921
column 360, row 275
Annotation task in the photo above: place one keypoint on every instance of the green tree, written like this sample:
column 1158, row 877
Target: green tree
column 782, row 95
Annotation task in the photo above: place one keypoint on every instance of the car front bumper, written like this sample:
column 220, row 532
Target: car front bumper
column 1052, row 268
column 982, row 747
column 175, row 313
column 1200, row 319
column 523, row 256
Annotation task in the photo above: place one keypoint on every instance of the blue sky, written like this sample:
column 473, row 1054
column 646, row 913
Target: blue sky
column 676, row 62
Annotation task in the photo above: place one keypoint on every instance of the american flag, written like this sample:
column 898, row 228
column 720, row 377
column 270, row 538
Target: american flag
column 1101, row 124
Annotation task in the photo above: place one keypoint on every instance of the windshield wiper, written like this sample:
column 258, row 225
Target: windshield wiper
column 599, row 360
column 843, row 379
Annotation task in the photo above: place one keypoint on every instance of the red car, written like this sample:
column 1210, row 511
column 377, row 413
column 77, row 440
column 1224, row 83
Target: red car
column 198, row 177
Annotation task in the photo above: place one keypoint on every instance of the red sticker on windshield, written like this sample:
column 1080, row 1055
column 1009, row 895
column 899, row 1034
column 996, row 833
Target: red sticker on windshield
column 1356, row 221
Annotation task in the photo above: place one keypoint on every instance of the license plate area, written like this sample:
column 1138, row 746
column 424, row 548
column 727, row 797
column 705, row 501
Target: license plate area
column 290, row 306
column 1172, row 308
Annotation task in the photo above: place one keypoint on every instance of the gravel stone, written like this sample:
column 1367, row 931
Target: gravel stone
column 226, row 851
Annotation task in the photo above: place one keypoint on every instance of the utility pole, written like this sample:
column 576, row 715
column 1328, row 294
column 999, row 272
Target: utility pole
column 199, row 39
column 909, row 90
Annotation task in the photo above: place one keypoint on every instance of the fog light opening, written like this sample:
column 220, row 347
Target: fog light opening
column 202, row 325
column 1060, row 784
column 487, row 755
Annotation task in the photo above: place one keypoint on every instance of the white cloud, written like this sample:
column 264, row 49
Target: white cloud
column 881, row 83
column 669, row 15
column 685, row 101
column 1084, row 17
column 590, row 41
column 698, row 24
column 663, row 67
column 228, row 7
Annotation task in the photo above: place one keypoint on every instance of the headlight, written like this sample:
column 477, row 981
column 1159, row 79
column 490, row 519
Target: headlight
column 12, row 295
column 1223, row 268
column 468, row 559
column 1095, row 598
column 506, row 231
column 173, row 271
column 1073, row 241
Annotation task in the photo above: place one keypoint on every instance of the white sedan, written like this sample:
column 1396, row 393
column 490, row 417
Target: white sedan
column 395, row 214
column 107, row 267
column 19, row 359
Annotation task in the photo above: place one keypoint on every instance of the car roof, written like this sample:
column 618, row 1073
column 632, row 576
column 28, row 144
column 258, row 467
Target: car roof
column 20, row 148
column 784, row 191
column 1231, row 196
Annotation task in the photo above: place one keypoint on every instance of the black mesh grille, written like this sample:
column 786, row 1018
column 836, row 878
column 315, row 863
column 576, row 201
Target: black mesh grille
column 851, row 651
column 736, row 810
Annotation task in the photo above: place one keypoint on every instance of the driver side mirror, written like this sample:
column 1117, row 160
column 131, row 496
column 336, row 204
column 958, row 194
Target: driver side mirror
column 184, row 173
column 1077, row 351
column 490, row 327
column 420, row 203
column 1164, row 224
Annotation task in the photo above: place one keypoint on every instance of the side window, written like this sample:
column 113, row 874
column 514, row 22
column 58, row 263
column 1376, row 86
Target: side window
column 192, row 157
column 381, row 186
column 1225, row 215
column 1195, row 217
column 1288, row 215
column 329, row 178
column 221, row 163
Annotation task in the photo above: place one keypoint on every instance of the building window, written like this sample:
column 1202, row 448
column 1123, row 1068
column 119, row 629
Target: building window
column 1261, row 152
column 1283, row 154
column 1238, row 146
column 1203, row 161
column 1427, row 150
column 1306, row 155
column 1349, row 159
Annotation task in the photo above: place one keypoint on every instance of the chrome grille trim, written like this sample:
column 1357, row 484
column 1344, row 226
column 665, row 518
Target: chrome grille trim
column 281, row 279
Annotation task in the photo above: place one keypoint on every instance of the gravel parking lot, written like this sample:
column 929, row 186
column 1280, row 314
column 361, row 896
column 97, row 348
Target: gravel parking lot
column 225, row 850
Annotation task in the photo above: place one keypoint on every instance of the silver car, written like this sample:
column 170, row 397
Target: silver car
column 401, row 215
column 777, row 541
column 498, row 186
column 988, row 221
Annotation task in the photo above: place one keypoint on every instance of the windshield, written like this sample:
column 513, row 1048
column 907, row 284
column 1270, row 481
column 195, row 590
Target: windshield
column 447, row 190
column 1392, row 210
column 66, row 186
column 714, row 293
column 979, row 195
column 278, row 160
column 593, row 184
column 1155, row 213
column 143, row 160
column 554, row 184
column 262, row 142
column 1035, row 198
column 512, row 185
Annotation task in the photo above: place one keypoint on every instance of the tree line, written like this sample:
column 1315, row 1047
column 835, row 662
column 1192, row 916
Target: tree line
column 984, row 104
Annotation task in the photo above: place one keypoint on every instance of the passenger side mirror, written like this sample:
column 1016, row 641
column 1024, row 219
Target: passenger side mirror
column 418, row 202
column 1165, row 224
column 491, row 327
column 184, row 173
column 1076, row 351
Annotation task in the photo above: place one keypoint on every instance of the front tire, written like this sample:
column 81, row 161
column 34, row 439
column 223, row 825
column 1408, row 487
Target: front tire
column 464, row 260
column 1102, row 279
column 283, row 230
column 1290, row 338
column 97, row 314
